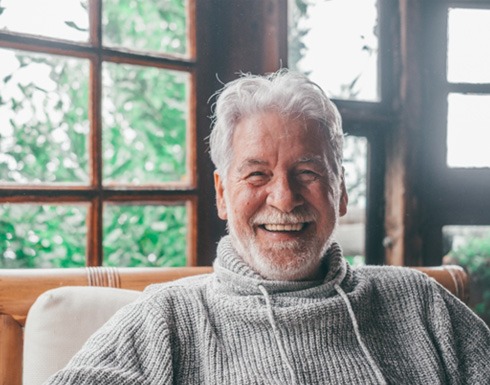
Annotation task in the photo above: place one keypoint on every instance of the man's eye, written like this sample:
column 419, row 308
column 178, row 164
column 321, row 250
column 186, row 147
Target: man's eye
column 307, row 175
column 256, row 177
column 256, row 174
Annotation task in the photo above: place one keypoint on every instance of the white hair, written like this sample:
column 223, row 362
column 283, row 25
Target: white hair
column 287, row 93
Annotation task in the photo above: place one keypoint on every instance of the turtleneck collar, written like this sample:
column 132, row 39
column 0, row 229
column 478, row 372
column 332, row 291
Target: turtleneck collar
column 238, row 277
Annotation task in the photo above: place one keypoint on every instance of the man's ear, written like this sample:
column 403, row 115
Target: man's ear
column 220, row 196
column 344, row 197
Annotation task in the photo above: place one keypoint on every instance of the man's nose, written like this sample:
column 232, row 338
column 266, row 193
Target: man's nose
column 284, row 194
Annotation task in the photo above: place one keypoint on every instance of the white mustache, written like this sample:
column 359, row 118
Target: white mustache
column 300, row 215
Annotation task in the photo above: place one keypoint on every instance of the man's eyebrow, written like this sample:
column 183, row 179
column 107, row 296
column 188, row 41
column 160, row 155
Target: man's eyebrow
column 250, row 162
column 316, row 159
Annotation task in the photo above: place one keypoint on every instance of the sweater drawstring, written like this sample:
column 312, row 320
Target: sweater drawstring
column 370, row 360
column 277, row 336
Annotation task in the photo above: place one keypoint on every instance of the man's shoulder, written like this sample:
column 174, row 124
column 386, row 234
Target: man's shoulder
column 174, row 298
column 393, row 275
column 183, row 287
column 395, row 286
column 388, row 271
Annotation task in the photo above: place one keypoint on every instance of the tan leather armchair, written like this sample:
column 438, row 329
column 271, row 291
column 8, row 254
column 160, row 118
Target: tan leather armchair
column 19, row 289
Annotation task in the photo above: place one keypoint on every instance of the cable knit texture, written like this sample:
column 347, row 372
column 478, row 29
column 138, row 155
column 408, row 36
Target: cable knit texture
column 371, row 325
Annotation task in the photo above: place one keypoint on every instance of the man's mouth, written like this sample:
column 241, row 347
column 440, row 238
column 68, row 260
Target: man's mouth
column 284, row 226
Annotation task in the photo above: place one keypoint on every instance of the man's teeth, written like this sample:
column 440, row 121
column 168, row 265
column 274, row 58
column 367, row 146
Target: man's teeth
column 284, row 227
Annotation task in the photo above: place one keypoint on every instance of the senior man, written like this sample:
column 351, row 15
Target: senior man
column 283, row 306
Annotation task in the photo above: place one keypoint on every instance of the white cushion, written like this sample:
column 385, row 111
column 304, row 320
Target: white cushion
column 60, row 321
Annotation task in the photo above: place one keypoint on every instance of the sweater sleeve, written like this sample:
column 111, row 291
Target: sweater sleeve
column 463, row 339
column 133, row 347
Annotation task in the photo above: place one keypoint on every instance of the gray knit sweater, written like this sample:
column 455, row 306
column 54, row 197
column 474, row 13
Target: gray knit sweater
column 372, row 325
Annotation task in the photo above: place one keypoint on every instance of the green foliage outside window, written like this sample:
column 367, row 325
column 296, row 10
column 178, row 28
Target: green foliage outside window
column 144, row 115
column 158, row 26
column 42, row 236
column 474, row 256
column 44, row 103
column 145, row 235
column 44, row 139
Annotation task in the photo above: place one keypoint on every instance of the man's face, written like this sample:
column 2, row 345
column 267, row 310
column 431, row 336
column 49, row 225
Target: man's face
column 280, row 196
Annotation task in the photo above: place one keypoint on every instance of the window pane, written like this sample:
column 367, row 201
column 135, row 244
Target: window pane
column 145, row 117
column 158, row 26
column 468, row 130
column 351, row 232
column 336, row 46
column 145, row 235
column 61, row 19
column 470, row 247
column 43, row 118
column 48, row 236
column 468, row 48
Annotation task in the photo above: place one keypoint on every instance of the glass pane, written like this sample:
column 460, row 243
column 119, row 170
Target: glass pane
column 470, row 247
column 43, row 118
column 158, row 26
column 145, row 115
column 42, row 235
column 352, row 226
column 61, row 19
column 468, row 130
column 145, row 235
column 468, row 58
column 335, row 42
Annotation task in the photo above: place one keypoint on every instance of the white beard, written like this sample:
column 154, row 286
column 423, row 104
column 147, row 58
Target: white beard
column 273, row 262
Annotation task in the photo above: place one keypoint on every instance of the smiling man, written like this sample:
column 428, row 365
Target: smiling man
column 283, row 306
column 279, row 181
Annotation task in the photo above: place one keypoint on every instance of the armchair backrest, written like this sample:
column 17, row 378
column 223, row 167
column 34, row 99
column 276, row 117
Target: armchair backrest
column 19, row 289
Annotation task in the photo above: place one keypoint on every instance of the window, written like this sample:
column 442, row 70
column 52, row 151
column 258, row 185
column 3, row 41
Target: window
column 468, row 67
column 457, row 94
column 468, row 119
column 97, row 133
column 339, row 50
column 351, row 233
column 336, row 47
column 466, row 238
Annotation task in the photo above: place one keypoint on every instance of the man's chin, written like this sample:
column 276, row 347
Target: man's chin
column 287, row 265
column 293, row 260
column 290, row 273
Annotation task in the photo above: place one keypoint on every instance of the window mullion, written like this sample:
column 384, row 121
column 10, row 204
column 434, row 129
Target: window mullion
column 95, row 17
column 95, row 227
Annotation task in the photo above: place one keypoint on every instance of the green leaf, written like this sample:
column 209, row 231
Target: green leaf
column 72, row 24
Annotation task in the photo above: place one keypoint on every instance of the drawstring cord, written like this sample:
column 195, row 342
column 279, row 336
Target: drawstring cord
column 377, row 372
column 272, row 321
column 355, row 325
